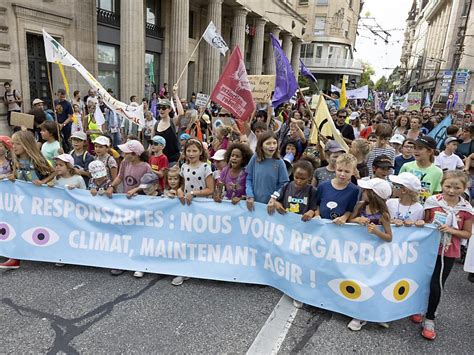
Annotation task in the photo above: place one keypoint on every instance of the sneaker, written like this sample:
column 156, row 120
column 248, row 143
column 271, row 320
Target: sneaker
column 384, row 325
column 178, row 280
column 59, row 264
column 428, row 331
column 417, row 318
column 116, row 272
column 356, row 324
column 138, row 274
column 470, row 277
column 10, row 264
column 297, row 304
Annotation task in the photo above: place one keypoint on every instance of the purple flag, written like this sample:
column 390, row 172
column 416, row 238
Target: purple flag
column 307, row 73
column 285, row 82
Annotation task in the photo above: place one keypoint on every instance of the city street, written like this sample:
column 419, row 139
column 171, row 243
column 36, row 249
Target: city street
column 49, row 309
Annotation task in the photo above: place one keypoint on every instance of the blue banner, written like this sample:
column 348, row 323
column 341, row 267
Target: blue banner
column 439, row 132
column 339, row 268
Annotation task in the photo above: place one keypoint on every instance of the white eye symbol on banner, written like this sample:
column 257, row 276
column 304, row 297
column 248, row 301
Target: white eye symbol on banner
column 351, row 290
column 40, row 236
column 6, row 232
column 331, row 205
column 400, row 290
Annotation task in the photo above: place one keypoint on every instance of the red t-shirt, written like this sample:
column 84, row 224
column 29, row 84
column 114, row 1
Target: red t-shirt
column 454, row 250
column 365, row 133
column 157, row 164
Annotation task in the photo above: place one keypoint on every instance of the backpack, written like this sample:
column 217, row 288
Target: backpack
column 14, row 95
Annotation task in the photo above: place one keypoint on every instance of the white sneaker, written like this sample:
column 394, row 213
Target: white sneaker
column 138, row 274
column 178, row 280
column 297, row 304
column 356, row 324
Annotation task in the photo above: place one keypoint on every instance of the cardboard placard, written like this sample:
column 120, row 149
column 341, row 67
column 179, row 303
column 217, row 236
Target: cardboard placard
column 414, row 101
column 201, row 100
column 262, row 87
column 22, row 119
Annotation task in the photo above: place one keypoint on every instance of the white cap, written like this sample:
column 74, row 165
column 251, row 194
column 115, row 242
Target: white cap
column 410, row 181
column 102, row 140
column 354, row 115
column 380, row 187
column 37, row 101
column 397, row 138
column 97, row 169
column 219, row 155
column 67, row 158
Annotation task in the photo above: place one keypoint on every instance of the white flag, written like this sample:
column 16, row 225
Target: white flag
column 56, row 53
column 215, row 39
column 99, row 116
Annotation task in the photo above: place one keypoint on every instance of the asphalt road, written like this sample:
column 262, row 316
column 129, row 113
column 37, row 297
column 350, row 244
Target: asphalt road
column 48, row 309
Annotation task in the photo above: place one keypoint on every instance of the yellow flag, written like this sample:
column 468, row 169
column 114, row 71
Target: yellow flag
column 66, row 84
column 343, row 98
column 323, row 123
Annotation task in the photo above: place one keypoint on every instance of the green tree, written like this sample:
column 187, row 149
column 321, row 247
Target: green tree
column 367, row 72
column 384, row 84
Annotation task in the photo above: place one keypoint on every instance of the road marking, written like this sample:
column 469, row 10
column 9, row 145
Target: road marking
column 78, row 286
column 273, row 333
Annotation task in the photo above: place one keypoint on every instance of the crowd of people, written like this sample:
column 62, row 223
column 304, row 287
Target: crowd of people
column 392, row 176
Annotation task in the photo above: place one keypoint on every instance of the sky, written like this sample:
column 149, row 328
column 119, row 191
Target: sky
column 391, row 16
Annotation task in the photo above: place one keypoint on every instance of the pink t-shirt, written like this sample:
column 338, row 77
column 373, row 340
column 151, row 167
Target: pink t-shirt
column 132, row 173
column 454, row 250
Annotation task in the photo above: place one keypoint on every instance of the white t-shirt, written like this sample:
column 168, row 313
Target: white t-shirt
column 75, row 180
column 448, row 162
column 195, row 177
column 412, row 213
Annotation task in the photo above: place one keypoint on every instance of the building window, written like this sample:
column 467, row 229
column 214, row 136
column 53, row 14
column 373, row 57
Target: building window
column 303, row 2
column 465, row 8
column 109, row 66
column 307, row 50
column 321, row 2
column 319, row 25
column 108, row 5
column 152, row 61
column 153, row 12
column 192, row 32
column 319, row 52
column 347, row 29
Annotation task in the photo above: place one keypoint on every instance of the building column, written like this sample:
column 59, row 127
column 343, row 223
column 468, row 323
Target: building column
column 132, row 49
column 238, row 29
column 269, row 57
column 286, row 45
column 256, row 57
column 295, row 56
column 212, row 62
column 179, row 45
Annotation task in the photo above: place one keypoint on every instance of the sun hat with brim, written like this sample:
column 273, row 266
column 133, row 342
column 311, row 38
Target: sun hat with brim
column 132, row 146
column 97, row 169
column 79, row 135
column 184, row 137
column 354, row 116
column 397, row 138
column 382, row 161
column 224, row 111
column 219, row 155
column 7, row 141
column 333, row 147
column 147, row 180
column 426, row 142
column 452, row 139
column 380, row 187
column 101, row 140
column 206, row 118
column 37, row 101
column 164, row 102
column 159, row 140
column 408, row 180
column 67, row 158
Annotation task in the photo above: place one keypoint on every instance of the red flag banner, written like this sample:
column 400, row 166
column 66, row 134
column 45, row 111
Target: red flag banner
column 233, row 91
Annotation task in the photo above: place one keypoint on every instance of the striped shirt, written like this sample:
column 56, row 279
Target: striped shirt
column 376, row 151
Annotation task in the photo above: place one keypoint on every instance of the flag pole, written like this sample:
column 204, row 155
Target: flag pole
column 190, row 57
column 52, row 101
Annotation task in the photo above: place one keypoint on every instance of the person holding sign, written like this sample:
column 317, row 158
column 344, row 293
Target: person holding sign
column 12, row 99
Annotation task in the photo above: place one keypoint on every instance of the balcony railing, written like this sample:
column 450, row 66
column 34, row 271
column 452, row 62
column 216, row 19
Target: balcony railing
column 154, row 31
column 332, row 63
column 108, row 17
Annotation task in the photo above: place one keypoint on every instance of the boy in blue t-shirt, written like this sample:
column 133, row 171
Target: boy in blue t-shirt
column 408, row 146
column 337, row 198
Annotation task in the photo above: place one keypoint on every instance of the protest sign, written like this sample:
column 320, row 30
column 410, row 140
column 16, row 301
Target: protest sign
column 339, row 268
column 262, row 87
column 414, row 101
column 201, row 100
column 22, row 119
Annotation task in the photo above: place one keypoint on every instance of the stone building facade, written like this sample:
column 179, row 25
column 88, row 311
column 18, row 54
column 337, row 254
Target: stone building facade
column 134, row 46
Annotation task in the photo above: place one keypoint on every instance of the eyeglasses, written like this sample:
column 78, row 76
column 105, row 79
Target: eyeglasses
column 341, row 116
column 160, row 107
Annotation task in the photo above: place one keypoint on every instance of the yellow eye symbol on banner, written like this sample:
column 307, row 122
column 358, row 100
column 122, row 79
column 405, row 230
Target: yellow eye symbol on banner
column 351, row 290
column 400, row 290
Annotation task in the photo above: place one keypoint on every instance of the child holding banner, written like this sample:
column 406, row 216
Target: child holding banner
column 266, row 171
column 373, row 212
column 453, row 215
column 66, row 175
column 30, row 165
column 6, row 162
column 51, row 146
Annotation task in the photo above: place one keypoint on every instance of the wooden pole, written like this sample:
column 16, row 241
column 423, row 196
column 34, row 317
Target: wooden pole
column 52, row 101
column 190, row 57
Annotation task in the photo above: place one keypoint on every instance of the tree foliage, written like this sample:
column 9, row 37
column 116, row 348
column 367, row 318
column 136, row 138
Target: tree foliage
column 367, row 72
